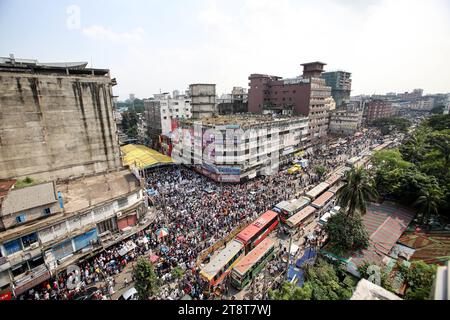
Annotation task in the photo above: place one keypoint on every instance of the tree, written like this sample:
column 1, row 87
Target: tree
column 346, row 233
column 428, row 203
column 438, row 110
column 388, row 125
column 147, row 282
column 177, row 273
column 320, row 170
column 419, row 278
column 382, row 276
column 290, row 291
column 359, row 188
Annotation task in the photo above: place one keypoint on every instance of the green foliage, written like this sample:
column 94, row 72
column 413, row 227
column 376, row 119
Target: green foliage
column 389, row 125
column 346, row 233
column 27, row 182
column 129, row 123
column 323, row 281
column 438, row 110
column 320, row 170
column 419, row 278
column 419, row 171
column 376, row 273
column 359, row 188
column 147, row 282
column 177, row 273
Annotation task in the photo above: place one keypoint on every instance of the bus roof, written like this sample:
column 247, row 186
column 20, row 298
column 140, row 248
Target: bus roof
column 333, row 179
column 222, row 258
column 295, row 204
column 336, row 187
column 320, row 201
column 246, row 234
column 314, row 192
column 282, row 205
column 299, row 216
column 245, row 263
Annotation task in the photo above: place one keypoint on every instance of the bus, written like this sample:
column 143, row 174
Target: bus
column 333, row 179
column 287, row 209
column 323, row 201
column 258, row 230
column 249, row 266
column 317, row 190
column 301, row 218
column 220, row 266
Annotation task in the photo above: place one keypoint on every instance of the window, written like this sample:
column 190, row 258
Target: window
column 122, row 202
column 19, row 269
column 36, row 262
column 29, row 239
column 20, row 218
column 12, row 246
column 47, row 211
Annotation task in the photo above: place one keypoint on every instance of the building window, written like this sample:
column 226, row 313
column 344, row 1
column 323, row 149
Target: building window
column 12, row 246
column 29, row 239
column 47, row 211
column 122, row 202
column 36, row 262
column 19, row 269
column 20, row 218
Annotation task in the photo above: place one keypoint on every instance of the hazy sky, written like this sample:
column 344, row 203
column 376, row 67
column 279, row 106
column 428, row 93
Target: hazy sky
column 388, row 45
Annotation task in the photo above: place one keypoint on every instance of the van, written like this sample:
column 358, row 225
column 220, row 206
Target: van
column 130, row 294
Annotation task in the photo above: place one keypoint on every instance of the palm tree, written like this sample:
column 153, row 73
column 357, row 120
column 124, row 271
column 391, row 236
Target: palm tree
column 428, row 203
column 357, row 191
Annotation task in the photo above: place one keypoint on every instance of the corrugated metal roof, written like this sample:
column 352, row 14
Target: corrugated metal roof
column 143, row 157
column 29, row 197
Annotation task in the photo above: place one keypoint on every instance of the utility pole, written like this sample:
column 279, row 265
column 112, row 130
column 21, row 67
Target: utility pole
column 289, row 255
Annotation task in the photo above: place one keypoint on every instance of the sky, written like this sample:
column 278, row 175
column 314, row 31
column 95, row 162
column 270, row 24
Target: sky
column 164, row 45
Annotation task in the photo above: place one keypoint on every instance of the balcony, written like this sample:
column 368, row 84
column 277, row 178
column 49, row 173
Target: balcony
column 31, row 278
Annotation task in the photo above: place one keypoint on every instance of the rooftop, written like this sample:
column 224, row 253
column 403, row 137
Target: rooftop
column 143, row 157
column 243, row 120
column 11, row 64
column 80, row 194
column 26, row 198
column 366, row 290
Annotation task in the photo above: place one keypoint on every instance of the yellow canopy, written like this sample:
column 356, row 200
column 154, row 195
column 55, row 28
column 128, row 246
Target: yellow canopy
column 142, row 157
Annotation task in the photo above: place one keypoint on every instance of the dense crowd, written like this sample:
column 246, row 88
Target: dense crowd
column 196, row 212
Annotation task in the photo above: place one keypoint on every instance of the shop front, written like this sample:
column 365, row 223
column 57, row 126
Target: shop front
column 127, row 220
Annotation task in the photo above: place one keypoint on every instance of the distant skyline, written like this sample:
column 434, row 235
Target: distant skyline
column 387, row 45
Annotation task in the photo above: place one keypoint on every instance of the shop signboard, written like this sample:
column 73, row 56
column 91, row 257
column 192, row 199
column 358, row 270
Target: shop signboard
column 229, row 170
column 5, row 296
column 230, row 178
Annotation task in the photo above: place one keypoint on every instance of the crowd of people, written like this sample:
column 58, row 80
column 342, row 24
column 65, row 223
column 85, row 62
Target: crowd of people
column 197, row 212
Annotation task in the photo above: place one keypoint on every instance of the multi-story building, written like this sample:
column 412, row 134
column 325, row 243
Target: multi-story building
column 304, row 95
column 341, row 86
column 56, row 120
column 254, row 146
column 161, row 115
column 345, row 121
column 203, row 100
column 375, row 109
column 57, row 130
column 48, row 226
column 236, row 102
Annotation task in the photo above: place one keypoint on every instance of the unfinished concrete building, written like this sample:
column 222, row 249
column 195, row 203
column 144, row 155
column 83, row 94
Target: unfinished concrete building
column 55, row 120
column 203, row 100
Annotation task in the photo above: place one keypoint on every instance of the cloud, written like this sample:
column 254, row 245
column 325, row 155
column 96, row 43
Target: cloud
column 97, row 32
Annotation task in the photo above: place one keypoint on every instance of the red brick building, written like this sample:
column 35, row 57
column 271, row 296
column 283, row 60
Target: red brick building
column 304, row 95
column 376, row 109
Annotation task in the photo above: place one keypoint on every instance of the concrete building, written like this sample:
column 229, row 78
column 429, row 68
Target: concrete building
column 441, row 285
column 56, row 120
column 304, row 95
column 375, row 109
column 161, row 115
column 254, row 146
column 341, row 86
column 203, row 100
column 366, row 290
column 49, row 226
column 345, row 121
column 235, row 102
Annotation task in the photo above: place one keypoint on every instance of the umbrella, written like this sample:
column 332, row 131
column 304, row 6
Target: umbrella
column 154, row 258
column 164, row 249
column 161, row 233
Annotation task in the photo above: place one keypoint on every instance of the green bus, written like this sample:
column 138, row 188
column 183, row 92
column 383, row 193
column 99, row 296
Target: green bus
column 250, row 265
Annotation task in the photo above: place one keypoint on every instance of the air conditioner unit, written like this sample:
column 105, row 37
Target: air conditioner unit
column 119, row 214
column 34, row 245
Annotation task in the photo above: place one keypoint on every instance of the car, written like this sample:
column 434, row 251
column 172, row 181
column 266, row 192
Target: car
column 130, row 294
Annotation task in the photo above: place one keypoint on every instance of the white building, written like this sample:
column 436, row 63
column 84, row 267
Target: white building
column 231, row 148
column 345, row 122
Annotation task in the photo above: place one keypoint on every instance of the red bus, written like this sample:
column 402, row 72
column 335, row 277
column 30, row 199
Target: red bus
column 258, row 230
